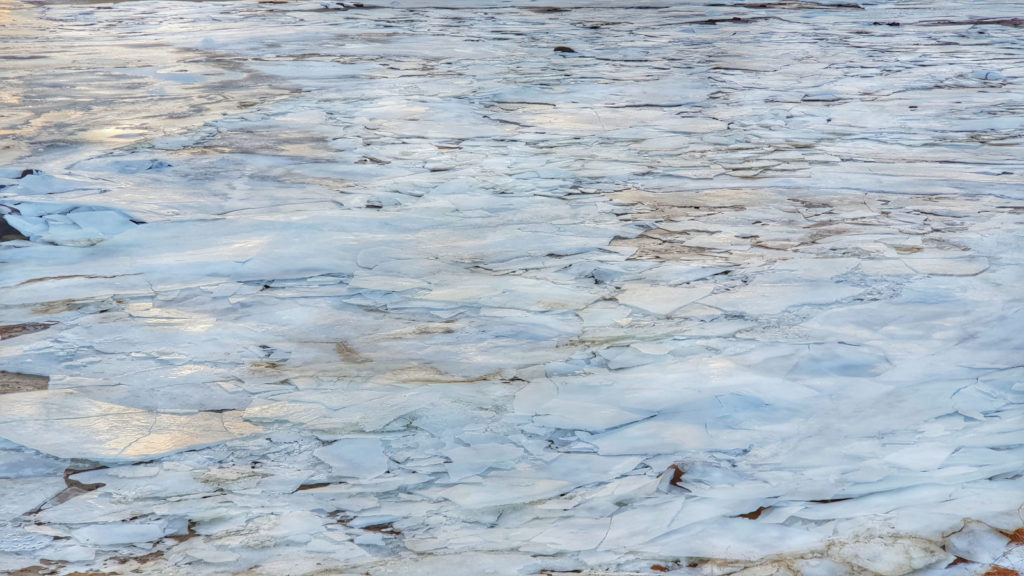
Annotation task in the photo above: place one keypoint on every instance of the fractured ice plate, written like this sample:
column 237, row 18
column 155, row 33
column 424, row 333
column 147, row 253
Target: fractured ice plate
column 661, row 300
column 67, row 424
column 970, row 266
column 771, row 298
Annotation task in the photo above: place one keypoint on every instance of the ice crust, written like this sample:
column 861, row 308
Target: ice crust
column 399, row 288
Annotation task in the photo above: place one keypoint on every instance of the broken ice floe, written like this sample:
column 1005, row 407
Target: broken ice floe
column 66, row 225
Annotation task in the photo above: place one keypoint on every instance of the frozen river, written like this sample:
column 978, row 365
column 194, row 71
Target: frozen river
column 512, row 288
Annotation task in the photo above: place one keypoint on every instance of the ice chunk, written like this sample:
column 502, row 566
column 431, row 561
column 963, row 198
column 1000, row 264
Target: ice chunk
column 658, row 435
column 471, row 460
column 977, row 542
column 355, row 457
column 642, row 522
column 20, row 464
column 532, row 396
column 145, row 481
column 502, row 488
column 987, row 75
column 582, row 469
column 619, row 357
column 20, row 495
column 294, row 526
column 94, row 506
column 661, row 300
column 68, row 224
column 575, row 533
column 973, row 401
column 735, row 539
column 120, row 533
column 16, row 539
column 67, row 424
column 101, row 222
column 970, row 266
column 581, row 415
column 386, row 283
column 770, row 298
column 921, row 456
column 68, row 553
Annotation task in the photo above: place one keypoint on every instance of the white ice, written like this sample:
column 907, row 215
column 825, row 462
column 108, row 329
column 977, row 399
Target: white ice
column 315, row 287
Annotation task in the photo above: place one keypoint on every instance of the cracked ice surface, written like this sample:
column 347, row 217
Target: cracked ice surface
column 302, row 287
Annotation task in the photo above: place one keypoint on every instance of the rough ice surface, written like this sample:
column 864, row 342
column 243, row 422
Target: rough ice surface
column 512, row 287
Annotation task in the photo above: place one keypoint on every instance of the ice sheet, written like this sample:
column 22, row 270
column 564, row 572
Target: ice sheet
column 511, row 287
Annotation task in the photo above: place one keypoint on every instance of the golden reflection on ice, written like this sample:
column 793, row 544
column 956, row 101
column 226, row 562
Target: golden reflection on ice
column 114, row 133
column 67, row 424
column 170, row 317
column 172, row 432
